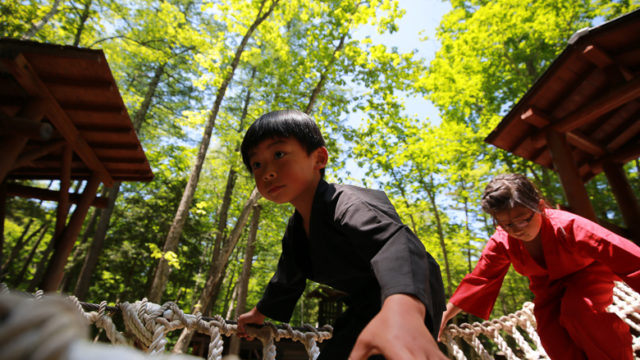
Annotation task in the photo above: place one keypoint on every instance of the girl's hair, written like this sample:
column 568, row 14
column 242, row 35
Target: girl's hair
column 506, row 191
column 282, row 123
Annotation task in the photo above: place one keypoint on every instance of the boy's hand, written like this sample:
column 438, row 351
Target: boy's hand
column 447, row 315
column 252, row 317
column 397, row 332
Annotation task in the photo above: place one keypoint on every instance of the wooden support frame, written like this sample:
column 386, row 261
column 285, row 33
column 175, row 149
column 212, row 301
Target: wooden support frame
column 12, row 146
column 23, row 72
column 572, row 184
column 64, row 243
column 30, row 192
column 614, row 99
column 601, row 59
column 627, row 201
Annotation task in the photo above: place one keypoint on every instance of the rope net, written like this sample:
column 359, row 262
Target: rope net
column 57, row 327
column 514, row 336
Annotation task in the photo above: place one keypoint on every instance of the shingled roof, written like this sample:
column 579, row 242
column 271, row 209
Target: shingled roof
column 74, row 90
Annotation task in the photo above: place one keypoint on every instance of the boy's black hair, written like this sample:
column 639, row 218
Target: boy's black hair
column 282, row 123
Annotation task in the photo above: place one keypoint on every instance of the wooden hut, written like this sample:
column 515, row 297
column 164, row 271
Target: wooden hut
column 62, row 118
column 582, row 116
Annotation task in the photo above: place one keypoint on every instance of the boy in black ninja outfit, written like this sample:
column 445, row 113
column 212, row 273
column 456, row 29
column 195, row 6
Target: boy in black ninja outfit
column 347, row 237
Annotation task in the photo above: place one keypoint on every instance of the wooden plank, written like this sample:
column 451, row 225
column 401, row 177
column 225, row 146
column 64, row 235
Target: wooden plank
column 27, row 157
column 582, row 142
column 114, row 138
column 614, row 99
column 623, row 136
column 30, row 192
column 601, row 59
column 29, row 128
column 11, row 147
column 28, row 78
column 536, row 117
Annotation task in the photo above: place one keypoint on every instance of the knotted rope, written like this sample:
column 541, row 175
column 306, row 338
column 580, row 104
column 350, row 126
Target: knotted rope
column 626, row 303
column 53, row 327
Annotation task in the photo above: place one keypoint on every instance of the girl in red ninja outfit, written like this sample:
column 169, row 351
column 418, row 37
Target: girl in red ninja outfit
column 571, row 264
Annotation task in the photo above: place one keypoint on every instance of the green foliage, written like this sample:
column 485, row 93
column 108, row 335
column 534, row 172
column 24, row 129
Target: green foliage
column 169, row 57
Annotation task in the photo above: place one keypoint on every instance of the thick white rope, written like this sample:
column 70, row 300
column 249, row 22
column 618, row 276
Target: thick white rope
column 626, row 304
column 50, row 327
column 62, row 322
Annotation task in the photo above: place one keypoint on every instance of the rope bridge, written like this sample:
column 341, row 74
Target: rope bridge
column 507, row 333
column 55, row 327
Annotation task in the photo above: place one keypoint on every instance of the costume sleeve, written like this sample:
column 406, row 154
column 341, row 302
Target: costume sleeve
column 621, row 255
column 284, row 288
column 398, row 259
column 478, row 291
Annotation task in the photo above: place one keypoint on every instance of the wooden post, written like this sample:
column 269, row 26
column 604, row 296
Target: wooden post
column 627, row 201
column 566, row 167
column 3, row 211
column 63, row 200
column 65, row 242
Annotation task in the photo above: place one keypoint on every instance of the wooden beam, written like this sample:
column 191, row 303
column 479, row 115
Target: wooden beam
column 566, row 167
column 27, row 77
column 582, row 142
column 601, row 59
column 65, row 183
column 3, row 212
column 26, row 158
column 16, row 126
column 622, row 156
column 623, row 136
column 536, row 117
column 64, row 243
column 12, row 146
column 614, row 99
column 627, row 201
column 30, row 192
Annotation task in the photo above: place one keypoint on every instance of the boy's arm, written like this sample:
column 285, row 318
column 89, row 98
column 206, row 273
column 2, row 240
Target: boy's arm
column 397, row 332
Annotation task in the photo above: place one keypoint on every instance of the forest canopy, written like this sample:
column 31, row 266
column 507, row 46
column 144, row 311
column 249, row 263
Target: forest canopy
column 194, row 74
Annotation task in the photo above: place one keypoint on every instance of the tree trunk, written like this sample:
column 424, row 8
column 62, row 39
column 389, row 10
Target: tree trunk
column 20, row 277
column 443, row 245
column 37, row 26
column 15, row 249
column 243, row 282
column 19, row 246
column 42, row 266
column 323, row 76
column 171, row 243
column 216, row 271
column 83, row 20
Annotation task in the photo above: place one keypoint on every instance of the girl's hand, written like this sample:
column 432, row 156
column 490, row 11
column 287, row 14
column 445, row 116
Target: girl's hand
column 447, row 315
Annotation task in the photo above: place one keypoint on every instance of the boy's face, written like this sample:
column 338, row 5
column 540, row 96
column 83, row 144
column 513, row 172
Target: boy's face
column 284, row 172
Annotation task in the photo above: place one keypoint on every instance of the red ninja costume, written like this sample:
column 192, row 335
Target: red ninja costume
column 571, row 292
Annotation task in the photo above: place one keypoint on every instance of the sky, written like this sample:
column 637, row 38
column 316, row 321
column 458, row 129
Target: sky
column 421, row 19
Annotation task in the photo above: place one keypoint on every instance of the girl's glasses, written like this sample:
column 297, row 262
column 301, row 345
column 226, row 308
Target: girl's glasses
column 517, row 224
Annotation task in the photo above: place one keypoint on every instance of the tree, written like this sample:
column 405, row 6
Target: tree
column 265, row 8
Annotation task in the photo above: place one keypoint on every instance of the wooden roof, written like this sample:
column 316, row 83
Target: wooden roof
column 78, row 101
column 590, row 93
